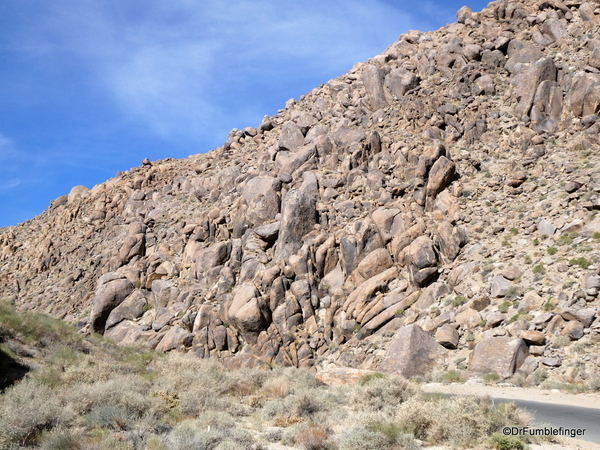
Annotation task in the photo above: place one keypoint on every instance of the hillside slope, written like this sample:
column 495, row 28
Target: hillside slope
column 432, row 209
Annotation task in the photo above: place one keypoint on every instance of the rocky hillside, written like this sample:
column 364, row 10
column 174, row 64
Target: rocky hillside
column 432, row 209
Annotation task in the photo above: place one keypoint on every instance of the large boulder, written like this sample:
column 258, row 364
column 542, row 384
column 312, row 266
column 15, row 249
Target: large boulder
column 246, row 314
column 450, row 239
column 261, row 196
column 413, row 352
column 421, row 260
column 447, row 336
column 130, row 334
column 112, row 289
column 291, row 137
column 131, row 308
column 215, row 255
column 399, row 81
column 440, row 176
column 374, row 263
column 298, row 217
column 520, row 53
column 373, row 80
column 584, row 94
column 500, row 287
column 499, row 355
column 134, row 244
column 526, row 83
column 547, row 107
column 174, row 338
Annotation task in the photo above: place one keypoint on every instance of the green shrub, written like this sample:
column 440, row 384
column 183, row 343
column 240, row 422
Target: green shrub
column 492, row 378
column 538, row 376
column 370, row 377
column 549, row 306
column 527, row 259
column 567, row 238
column 539, row 269
column 561, row 341
column 33, row 327
column 459, row 300
column 503, row 307
column 581, row 262
column 596, row 235
column 501, row 442
column 452, row 376
column 552, row 250
column 594, row 383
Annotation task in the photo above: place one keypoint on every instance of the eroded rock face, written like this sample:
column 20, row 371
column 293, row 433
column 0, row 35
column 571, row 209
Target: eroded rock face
column 443, row 191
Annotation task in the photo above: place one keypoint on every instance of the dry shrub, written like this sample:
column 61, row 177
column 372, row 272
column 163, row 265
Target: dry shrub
column 306, row 404
column 382, row 393
column 111, row 417
column 277, row 387
column 287, row 421
column 363, row 439
column 313, row 437
column 193, row 401
column 217, row 420
column 461, row 421
column 27, row 409
column 129, row 391
column 62, row 439
column 179, row 372
column 195, row 435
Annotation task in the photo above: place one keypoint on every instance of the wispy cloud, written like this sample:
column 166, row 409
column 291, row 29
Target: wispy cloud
column 7, row 148
column 10, row 184
column 176, row 66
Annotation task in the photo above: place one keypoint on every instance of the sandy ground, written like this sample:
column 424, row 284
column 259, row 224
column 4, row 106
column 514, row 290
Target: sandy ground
column 536, row 395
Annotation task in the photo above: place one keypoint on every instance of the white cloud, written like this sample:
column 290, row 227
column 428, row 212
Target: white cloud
column 171, row 65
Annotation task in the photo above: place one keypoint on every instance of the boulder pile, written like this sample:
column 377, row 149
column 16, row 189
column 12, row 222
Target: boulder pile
column 432, row 209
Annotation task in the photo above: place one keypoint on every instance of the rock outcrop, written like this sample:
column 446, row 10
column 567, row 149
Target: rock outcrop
column 435, row 204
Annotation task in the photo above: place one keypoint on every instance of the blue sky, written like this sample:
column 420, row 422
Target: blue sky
column 92, row 87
